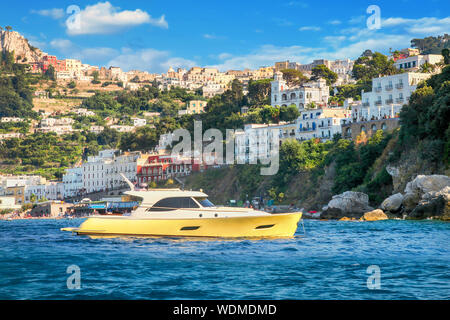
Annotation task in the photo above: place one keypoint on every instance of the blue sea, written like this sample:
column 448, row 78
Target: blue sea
column 330, row 262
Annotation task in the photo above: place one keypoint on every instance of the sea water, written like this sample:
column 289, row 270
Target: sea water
column 334, row 260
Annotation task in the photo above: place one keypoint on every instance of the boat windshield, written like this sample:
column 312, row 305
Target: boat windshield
column 205, row 202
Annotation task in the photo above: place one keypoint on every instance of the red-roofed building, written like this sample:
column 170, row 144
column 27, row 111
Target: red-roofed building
column 161, row 167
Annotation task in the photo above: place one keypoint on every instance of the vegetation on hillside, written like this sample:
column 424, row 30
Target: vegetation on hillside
column 16, row 94
column 431, row 45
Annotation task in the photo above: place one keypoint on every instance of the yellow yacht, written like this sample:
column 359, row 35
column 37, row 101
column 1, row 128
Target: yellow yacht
column 180, row 213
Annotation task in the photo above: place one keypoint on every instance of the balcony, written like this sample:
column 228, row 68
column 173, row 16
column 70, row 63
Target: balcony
column 399, row 100
column 306, row 129
column 365, row 104
column 378, row 89
column 389, row 87
column 378, row 103
column 399, row 85
column 389, row 101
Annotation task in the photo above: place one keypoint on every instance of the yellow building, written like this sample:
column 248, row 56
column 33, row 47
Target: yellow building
column 18, row 192
column 74, row 66
column 196, row 106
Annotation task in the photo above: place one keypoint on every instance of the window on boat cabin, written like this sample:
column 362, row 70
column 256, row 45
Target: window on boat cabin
column 205, row 202
column 169, row 204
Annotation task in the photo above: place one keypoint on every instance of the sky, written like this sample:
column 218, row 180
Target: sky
column 155, row 35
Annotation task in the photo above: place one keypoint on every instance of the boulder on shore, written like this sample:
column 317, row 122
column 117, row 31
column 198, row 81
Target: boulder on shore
column 374, row 215
column 348, row 204
column 433, row 205
column 423, row 185
column 393, row 203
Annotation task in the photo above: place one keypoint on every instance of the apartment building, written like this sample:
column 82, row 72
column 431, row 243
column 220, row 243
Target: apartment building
column 256, row 142
column 102, row 172
column 321, row 123
column 11, row 119
column 73, row 66
column 194, row 107
column 73, row 182
column 158, row 167
column 316, row 92
column 388, row 95
column 413, row 63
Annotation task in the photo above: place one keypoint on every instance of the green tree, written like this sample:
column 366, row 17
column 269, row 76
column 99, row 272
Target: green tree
column 50, row 73
column 446, row 54
column 321, row 71
column 368, row 67
column 293, row 77
column 259, row 92
column 72, row 85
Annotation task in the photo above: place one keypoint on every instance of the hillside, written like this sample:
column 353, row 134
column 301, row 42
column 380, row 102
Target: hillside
column 13, row 41
column 312, row 172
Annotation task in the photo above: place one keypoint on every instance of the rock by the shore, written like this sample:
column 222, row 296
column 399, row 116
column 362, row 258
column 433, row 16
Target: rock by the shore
column 393, row 203
column 433, row 205
column 348, row 204
column 423, row 184
column 374, row 215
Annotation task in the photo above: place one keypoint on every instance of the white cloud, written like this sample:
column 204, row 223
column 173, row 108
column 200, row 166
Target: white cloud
column 335, row 22
column 55, row 13
column 421, row 26
column 357, row 19
column 70, row 50
column 212, row 36
column 297, row 4
column 104, row 18
column 309, row 28
column 151, row 60
column 282, row 22
column 264, row 56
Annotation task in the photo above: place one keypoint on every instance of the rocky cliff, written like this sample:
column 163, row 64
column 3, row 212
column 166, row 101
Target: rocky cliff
column 13, row 41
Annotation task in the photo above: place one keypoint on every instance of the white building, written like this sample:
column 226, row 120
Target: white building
column 33, row 185
column 59, row 130
column 137, row 122
column 388, row 95
column 122, row 128
column 11, row 119
column 73, row 181
column 8, row 203
column 413, row 63
column 256, row 142
column 316, row 92
column 321, row 123
column 103, row 171
column 165, row 140
column 83, row 112
column 211, row 89
column 96, row 129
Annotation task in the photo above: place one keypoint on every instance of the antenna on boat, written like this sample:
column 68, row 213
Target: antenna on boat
column 129, row 183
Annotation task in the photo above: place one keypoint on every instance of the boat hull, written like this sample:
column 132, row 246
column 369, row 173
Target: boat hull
column 277, row 225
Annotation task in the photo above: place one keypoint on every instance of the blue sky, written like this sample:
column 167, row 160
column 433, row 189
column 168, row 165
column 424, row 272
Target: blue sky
column 153, row 35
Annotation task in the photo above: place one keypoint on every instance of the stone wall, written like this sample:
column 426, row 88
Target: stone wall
column 352, row 130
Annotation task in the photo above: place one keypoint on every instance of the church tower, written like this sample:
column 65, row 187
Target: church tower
column 278, row 85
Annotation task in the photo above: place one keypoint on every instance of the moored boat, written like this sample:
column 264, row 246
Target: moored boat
column 180, row 213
